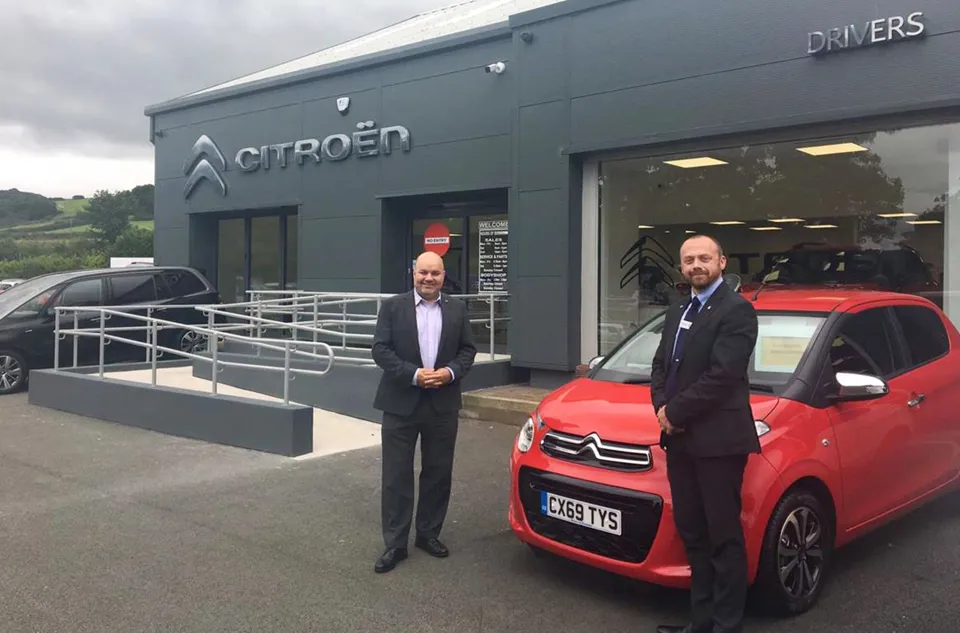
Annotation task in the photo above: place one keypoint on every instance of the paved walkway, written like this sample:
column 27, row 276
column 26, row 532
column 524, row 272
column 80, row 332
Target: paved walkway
column 106, row 528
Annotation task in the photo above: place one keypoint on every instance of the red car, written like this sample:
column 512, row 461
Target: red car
column 854, row 397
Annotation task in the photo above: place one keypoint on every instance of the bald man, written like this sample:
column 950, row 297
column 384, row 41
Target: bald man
column 424, row 345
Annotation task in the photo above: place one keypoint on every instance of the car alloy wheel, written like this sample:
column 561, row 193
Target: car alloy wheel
column 12, row 372
column 795, row 556
column 800, row 553
column 192, row 342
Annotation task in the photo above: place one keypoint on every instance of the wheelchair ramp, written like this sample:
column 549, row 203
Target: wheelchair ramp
column 333, row 433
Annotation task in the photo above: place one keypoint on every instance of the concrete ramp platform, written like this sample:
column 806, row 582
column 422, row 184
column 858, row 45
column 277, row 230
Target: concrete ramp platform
column 182, row 404
column 333, row 433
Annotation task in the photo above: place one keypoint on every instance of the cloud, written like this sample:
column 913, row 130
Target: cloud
column 80, row 72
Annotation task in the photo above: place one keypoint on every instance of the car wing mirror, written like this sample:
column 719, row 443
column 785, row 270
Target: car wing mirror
column 596, row 360
column 859, row 387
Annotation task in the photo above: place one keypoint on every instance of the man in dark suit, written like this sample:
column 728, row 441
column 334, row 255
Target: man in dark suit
column 424, row 345
column 701, row 394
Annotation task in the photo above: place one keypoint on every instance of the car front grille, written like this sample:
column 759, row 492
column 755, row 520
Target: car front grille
column 593, row 451
column 640, row 515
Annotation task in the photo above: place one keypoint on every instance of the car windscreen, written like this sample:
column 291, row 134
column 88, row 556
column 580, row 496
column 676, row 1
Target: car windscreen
column 13, row 298
column 782, row 340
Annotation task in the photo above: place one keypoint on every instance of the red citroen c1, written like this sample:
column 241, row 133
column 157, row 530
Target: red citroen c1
column 854, row 399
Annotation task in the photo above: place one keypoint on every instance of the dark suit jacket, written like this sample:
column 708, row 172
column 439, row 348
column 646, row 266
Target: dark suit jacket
column 712, row 403
column 396, row 350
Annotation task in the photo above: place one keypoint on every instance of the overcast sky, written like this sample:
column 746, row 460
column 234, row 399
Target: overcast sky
column 76, row 75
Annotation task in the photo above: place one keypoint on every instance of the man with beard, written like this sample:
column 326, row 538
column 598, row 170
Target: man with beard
column 701, row 394
column 423, row 342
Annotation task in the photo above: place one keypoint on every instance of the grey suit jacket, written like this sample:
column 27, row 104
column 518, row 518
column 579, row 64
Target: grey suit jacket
column 396, row 350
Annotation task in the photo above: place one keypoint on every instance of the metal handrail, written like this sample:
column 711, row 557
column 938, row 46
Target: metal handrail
column 310, row 318
column 153, row 327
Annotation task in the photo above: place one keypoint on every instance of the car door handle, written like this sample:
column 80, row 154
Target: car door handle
column 916, row 401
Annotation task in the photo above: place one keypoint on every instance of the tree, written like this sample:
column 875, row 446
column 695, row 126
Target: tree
column 133, row 242
column 110, row 215
column 143, row 202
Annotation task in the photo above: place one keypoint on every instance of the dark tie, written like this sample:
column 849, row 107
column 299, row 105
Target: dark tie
column 682, row 334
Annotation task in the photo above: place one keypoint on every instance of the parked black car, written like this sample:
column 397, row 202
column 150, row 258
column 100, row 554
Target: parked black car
column 28, row 321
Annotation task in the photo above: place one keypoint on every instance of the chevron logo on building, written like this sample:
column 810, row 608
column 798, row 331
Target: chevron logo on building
column 198, row 167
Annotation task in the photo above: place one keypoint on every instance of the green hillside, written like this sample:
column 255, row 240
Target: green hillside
column 40, row 235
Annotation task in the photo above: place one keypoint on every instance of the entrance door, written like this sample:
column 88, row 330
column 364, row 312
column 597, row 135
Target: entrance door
column 473, row 246
column 256, row 253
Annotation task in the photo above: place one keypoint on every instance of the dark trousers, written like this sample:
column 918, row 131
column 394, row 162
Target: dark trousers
column 706, row 507
column 438, row 437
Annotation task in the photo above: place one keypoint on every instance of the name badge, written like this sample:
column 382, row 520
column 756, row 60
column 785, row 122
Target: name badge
column 685, row 325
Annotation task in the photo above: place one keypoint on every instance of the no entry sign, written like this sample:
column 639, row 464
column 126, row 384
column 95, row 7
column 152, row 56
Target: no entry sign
column 436, row 238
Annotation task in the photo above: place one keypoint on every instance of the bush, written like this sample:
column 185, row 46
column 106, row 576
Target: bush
column 43, row 264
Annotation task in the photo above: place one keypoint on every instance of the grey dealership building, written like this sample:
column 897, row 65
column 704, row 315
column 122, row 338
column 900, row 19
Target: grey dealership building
column 559, row 151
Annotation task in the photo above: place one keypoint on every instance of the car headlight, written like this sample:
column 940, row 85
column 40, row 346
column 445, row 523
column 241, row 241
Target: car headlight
column 525, row 437
column 762, row 428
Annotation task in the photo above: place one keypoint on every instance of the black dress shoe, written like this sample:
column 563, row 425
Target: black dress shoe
column 433, row 547
column 390, row 559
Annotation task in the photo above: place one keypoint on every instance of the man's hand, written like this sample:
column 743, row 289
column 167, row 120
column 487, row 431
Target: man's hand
column 434, row 378
column 665, row 425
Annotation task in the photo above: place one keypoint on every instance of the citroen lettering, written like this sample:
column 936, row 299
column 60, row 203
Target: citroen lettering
column 335, row 148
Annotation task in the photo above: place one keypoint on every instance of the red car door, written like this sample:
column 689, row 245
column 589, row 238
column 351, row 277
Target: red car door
column 933, row 385
column 871, row 435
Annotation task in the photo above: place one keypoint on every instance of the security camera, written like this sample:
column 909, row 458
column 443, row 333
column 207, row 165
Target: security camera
column 498, row 68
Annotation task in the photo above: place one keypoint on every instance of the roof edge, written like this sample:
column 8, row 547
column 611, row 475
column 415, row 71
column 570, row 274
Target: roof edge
column 560, row 9
column 499, row 30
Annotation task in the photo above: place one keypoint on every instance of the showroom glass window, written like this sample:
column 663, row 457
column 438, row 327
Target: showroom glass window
column 870, row 210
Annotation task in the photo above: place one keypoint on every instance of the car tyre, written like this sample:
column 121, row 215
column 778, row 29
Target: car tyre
column 796, row 554
column 13, row 372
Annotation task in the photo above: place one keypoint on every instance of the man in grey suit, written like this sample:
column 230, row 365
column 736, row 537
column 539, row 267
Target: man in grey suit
column 424, row 345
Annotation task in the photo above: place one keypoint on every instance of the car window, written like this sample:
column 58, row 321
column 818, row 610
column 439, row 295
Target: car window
column 183, row 282
column 87, row 292
column 864, row 345
column 924, row 333
column 130, row 289
column 782, row 340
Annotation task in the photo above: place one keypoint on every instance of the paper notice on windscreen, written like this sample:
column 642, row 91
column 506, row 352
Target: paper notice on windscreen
column 780, row 348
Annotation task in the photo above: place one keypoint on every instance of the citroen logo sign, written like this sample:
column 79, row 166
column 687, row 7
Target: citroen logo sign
column 198, row 166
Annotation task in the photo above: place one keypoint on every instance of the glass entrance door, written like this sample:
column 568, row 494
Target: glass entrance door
column 474, row 251
column 256, row 253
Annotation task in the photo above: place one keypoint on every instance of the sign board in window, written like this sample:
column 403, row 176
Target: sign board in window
column 492, row 237
column 781, row 345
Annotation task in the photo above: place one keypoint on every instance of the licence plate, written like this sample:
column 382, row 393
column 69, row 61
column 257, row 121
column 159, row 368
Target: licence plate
column 581, row 513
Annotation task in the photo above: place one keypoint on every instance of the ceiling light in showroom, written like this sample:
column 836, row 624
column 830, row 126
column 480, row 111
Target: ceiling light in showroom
column 765, row 228
column 835, row 148
column 915, row 222
column 820, row 226
column 784, row 220
column 727, row 223
column 689, row 163
column 897, row 215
